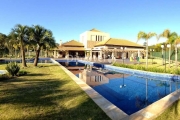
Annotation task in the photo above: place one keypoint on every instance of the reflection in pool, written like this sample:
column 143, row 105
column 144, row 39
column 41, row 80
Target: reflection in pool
column 128, row 92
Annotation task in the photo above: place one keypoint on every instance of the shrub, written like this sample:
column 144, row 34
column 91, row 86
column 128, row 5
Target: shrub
column 12, row 68
column 177, row 71
column 151, row 69
column 21, row 73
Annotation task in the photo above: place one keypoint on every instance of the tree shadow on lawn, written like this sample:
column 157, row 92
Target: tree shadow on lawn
column 47, row 99
column 44, row 65
column 87, row 110
column 39, row 74
column 30, row 92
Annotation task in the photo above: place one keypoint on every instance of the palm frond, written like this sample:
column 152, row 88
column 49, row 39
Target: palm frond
column 166, row 33
column 141, row 35
column 150, row 35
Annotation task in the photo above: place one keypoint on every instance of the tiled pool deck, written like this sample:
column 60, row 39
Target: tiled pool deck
column 148, row 113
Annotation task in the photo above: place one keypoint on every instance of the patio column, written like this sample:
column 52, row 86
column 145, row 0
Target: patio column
column 94, row 55
column 115, row 52
column 67, row 54
column 55, row 54
column 100, row 54
column 90, row 55
column 76, row 54
column 138, row 53
column 123, row 55
column 85, row 54
column 112, row 55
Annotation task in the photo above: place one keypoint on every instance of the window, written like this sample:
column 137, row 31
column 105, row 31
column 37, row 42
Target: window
column 82, row 39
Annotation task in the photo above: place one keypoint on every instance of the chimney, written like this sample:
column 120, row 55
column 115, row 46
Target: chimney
column 60, row 43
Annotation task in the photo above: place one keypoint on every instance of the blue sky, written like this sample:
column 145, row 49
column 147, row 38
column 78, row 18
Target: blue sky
column 67, row 19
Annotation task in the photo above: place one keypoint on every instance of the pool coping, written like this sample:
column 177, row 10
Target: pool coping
column 150, row 112
column 164, row 76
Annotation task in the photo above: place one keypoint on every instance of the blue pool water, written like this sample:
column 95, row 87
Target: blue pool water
column 71, row 64
column 41, row 60
column 128, row 92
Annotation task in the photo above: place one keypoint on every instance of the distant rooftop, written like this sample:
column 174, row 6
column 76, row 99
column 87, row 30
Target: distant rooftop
column 73, row 43
column 95, row 30
column 118, row 42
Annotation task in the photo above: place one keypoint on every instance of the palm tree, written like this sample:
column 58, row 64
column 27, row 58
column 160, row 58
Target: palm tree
column 170, row 40
column 3, row 40
column 22, row 33
column 40, row 36
column 146, row 36
column 9, row 42
column 13, row 43
column 16, row 46
column 49, row 45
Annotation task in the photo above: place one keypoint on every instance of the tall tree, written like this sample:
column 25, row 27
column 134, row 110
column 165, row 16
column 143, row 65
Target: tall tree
column 22, row 33
column 170, row 39
column 13, row 44
column 49, row 45
column 3, row 40
column 146, row 37
column 41, row 37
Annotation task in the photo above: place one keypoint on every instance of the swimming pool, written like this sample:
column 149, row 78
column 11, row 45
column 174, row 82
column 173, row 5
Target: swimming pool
column 41, row 60
column 130, row 93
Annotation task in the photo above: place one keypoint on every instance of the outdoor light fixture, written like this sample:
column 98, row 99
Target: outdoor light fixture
column 169, row 46
column 162, row 46
column 151, row 50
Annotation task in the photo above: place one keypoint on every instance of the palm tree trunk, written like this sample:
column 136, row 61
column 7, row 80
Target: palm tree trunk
column 46, row 55
column 170, row 56
column 23, row 55
column 37, row 56
column 176, row 56
column 146, row 54
column 15, row 53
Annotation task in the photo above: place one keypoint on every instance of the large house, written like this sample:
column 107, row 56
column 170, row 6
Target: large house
column 94, row 44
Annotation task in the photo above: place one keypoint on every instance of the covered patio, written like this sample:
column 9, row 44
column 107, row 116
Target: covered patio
column 115, row 49
column 69, row 49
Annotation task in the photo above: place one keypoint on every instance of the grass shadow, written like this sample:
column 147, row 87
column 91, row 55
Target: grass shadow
column 46, row 96
column 33, row 74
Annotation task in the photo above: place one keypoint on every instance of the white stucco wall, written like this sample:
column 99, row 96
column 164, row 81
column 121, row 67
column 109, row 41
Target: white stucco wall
column 93, row 36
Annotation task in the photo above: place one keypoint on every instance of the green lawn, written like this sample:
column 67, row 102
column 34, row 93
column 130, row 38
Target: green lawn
column 172, row 65
column 172, row 113
column 46, row 92
column 155, row 66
